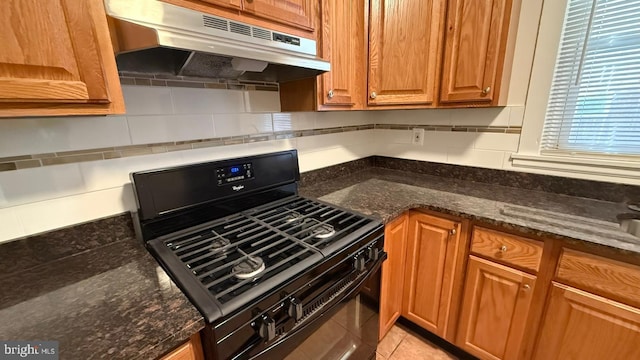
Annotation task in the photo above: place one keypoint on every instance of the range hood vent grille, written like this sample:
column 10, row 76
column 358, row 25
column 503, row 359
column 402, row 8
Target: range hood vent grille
column 248, row 30
column 261, row 34
column 241, row 29
column 215, row 23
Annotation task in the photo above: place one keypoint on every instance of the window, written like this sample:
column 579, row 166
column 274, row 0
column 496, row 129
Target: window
column 594, row 104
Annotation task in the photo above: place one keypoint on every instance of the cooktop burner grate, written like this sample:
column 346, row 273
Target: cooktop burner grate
column 315, row 224
column 234, row 254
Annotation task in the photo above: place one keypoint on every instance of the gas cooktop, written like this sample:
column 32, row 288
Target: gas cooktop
column 232, row 232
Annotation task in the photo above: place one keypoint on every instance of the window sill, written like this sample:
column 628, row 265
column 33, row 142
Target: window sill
column 614, row 169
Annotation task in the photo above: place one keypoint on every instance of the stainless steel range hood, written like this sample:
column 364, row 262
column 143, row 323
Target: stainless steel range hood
column 160, row 38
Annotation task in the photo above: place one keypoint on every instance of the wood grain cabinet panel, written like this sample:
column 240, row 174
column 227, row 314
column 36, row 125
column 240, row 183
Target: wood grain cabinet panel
column 404, row 39
column 232, row 4
column 430, row 263
column 494, row 310
column 57, row 59
column 395, row 241
column 191, row 350
column 476, row 32
column 298, row 13
column 580, row 325
column 510, row 249
column 342, row 42
column 613, row 279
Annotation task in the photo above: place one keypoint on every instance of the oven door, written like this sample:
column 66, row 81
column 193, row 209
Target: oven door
column 346, row 328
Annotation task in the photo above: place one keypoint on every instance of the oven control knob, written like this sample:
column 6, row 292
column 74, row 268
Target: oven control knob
column 373, row 253
column 295, row 309
column 360, row 262
column 267, row 328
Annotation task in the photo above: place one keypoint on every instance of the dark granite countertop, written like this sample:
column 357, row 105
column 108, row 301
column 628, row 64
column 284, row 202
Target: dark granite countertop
column 99, row 293
column 385, row 194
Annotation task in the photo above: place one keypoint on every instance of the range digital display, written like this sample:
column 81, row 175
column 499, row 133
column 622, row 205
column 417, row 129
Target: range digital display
column 234, row 173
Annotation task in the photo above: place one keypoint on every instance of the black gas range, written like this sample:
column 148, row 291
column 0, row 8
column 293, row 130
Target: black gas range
column 267, row 268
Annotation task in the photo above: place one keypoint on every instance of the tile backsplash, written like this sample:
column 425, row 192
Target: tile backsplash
column 60, row 171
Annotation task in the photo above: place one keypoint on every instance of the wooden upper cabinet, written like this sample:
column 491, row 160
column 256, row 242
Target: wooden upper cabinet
column 430, row 264
column 342, row 42
column 232, row 4
column 57, row 59
column 494, row 310
column 580, row 325
column 476, row 32
column 404, row 43
column 298, row 13
column 343, row 45
column 392, row 279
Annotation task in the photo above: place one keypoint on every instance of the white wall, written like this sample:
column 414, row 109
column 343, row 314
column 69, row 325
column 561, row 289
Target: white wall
column 483, row 149
column 40, row 199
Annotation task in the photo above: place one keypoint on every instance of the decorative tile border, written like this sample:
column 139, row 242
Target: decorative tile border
column 68, row 157
column 129, row 78
column 456, row 128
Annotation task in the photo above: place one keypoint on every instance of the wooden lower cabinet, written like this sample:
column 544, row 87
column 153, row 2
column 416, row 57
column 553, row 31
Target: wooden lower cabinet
column 581, row 325
column 494, row 310
column 395, row 240
column 191, row 350
column 433, row 246
column 499, row 296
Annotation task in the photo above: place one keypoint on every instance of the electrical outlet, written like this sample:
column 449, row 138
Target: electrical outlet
column 418, row 137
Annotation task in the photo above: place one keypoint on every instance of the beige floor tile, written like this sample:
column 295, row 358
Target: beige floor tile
column 380, row 357
column 391, row 341
column 297, row 354
column 413, row 347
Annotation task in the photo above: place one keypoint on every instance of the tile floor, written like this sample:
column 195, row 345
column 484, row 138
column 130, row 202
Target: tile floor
column 403, row 344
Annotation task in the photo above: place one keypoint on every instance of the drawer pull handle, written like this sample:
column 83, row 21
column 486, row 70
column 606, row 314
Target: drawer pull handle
column 503, row 248
column 526, row 287
column 330, row 94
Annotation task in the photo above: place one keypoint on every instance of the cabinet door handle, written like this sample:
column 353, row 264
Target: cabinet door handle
column 373, row 95
column 486, row 90
column 330, row 94
column 453, row 231
column 526, row 287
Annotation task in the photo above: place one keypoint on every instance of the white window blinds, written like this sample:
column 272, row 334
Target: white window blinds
column 594, row 105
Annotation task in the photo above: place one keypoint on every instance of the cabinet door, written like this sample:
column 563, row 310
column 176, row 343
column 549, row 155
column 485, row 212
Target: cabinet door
column 298, row 13
column 431, row 250
column 474, row 49
column 395, row 236
column 232, row 4
column 494, row 310
column 580, row 325
column 56, row 52
column 343, row 45
column 191, row 350
column 403, row 51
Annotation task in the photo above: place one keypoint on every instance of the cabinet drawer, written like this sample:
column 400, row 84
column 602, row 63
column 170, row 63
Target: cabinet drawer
column 613, row 279
column 511, row 249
